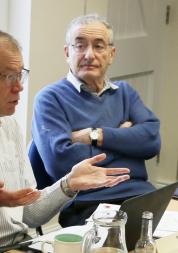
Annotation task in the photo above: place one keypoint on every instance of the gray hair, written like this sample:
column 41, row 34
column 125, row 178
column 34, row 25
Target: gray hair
column 88, row 19
column 9, row 42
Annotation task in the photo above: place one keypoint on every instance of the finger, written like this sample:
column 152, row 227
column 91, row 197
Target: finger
column 118, row 180
column 114, row 181
column 23, row 192
column 97, row 158
column 126, row 124
column 22, row 195
column 112, row 171
column 97, row 183
column 30, row 198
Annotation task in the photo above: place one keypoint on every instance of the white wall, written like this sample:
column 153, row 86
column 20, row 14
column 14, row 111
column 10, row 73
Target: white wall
column 49, row 20
column 15, row 16
column 4, row 14
column 166, row 94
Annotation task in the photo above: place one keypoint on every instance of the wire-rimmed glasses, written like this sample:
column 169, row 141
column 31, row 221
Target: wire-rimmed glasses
column 12, row 78
column 97, row 47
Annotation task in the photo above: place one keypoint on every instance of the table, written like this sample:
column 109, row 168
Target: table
column 173, row 206
column 169, row 244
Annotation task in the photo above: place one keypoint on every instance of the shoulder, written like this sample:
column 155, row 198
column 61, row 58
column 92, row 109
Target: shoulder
column 122, row 84
column 53, row 89
column 125, row 88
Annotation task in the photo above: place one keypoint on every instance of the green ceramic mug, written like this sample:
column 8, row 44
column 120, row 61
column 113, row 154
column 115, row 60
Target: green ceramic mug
column 64, row 243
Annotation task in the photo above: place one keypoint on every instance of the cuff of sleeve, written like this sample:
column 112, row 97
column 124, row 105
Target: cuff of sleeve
column 65, row 188
column 107, row 137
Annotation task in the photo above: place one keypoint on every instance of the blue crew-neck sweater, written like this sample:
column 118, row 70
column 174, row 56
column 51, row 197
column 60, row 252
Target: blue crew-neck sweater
column 60, row 109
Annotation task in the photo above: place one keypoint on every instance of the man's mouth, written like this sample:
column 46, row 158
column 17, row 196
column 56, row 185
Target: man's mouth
column 89, row 66
column 14, row 102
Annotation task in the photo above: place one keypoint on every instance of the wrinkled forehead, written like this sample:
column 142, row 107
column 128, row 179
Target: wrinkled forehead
column 91, row 31
column 10, row 60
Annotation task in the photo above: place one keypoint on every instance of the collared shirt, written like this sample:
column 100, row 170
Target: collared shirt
column 78, row 84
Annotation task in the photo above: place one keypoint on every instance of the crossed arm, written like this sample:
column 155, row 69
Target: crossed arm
column 83, row 135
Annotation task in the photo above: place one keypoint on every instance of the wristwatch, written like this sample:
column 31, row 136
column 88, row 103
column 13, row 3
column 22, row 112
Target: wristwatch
column 94, row 134
column 65, row 188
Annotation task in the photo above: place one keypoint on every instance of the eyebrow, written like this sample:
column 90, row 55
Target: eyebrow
column 84, row 39
column 80, row 38
column 12, row 70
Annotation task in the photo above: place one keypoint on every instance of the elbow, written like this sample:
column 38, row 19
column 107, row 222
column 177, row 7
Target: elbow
column 157, row 145
column 31, row 222
column 154, row 149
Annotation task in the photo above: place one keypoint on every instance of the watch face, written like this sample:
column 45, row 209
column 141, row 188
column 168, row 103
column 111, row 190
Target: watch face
column 94, row 135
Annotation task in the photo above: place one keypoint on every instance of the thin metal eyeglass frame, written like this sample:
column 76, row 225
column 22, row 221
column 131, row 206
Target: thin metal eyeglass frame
column 11, row 79
column 93, row 47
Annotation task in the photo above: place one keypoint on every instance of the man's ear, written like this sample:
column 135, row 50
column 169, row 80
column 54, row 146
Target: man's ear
column 66, row 51
column 112, row 55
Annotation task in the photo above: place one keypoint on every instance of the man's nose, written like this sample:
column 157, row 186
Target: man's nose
column 89, row 52
column 17, row 86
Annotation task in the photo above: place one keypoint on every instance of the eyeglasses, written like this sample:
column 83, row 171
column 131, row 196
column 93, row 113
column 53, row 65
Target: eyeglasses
column 12, row 78
column 99, row 47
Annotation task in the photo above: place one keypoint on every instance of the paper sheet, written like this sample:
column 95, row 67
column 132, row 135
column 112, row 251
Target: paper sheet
column 167, row 225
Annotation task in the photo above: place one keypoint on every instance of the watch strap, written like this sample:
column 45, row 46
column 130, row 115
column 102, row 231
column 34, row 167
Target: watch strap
column 65, row 188
column 94, row 141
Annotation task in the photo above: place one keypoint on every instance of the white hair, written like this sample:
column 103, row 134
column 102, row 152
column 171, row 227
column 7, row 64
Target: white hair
column 88, row 19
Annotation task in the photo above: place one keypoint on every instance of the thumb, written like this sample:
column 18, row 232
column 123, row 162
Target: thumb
column 97, row 158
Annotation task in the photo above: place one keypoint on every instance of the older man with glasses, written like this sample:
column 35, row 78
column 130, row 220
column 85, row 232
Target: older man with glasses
column 86, row 114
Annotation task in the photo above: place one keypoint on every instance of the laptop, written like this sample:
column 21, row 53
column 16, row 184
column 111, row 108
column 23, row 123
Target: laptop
column 154, row 201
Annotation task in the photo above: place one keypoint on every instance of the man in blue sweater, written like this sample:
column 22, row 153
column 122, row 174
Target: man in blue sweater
column 85, row 114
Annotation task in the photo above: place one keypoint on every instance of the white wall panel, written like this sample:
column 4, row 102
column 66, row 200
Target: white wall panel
column 4, row 15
